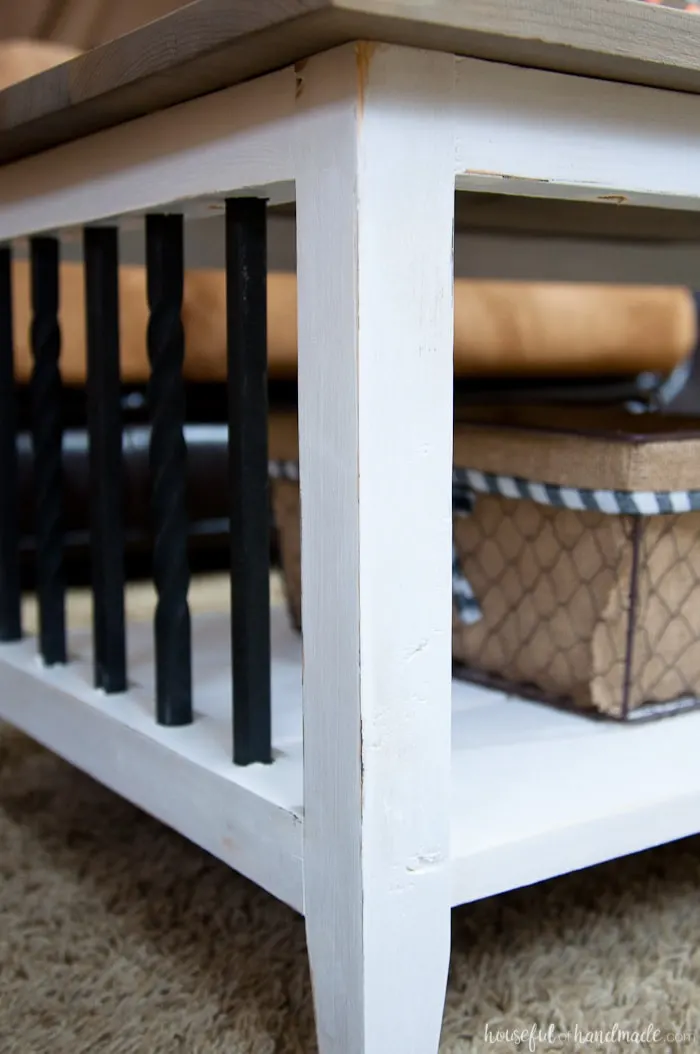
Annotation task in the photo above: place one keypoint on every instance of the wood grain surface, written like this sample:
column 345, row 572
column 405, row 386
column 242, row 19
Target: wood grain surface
column 211, row 44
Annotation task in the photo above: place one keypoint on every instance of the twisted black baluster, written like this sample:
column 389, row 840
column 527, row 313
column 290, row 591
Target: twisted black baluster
column 246, row 301
column 166, row 345
column 47, row 440
column 10, row 617
column 106, row 479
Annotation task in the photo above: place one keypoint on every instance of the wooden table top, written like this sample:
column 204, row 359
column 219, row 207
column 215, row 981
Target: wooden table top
column 212, row 44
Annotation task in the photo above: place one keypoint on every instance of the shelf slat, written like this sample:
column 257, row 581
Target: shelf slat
column 535, row 792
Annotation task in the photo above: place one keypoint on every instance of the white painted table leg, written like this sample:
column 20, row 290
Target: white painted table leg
column 375, row 214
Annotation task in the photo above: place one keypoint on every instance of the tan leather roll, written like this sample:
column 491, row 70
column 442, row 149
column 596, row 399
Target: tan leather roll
column 531, row 328
column 203, row 316
column 501, row 328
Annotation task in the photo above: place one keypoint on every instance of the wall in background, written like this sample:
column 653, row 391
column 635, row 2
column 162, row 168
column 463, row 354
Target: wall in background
column 480, row 255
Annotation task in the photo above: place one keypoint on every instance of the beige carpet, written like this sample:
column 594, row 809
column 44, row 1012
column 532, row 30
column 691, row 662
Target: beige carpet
column 118, row 936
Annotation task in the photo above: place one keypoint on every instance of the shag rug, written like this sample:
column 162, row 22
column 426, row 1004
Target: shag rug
column 118, row 936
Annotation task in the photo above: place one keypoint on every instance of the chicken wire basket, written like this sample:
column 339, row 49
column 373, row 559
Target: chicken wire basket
column 576, row 559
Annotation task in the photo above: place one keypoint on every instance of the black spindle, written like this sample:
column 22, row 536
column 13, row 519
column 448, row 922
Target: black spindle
column 106, row 472
column 246, row 301
column 10, row 617
column 166, row 346
column 47, row 440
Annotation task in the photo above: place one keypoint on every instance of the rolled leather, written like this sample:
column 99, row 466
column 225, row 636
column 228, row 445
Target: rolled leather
column 582, row 329
column 206, row 488
column 203, row 316
column 501, row 328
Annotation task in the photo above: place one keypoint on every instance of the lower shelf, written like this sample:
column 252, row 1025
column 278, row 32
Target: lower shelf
column 535, row 792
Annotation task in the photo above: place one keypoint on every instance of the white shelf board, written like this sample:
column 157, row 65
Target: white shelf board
column 536, row 792
column 248, row 817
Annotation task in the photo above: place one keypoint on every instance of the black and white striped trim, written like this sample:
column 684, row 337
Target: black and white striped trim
column 468, row 481
column 288, row 470
column 466, row 604
column 613, row 502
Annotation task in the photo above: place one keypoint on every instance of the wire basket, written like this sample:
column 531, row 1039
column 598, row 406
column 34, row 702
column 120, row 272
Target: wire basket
column 576, row 576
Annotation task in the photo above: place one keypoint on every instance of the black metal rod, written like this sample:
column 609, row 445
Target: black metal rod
column 171, row 574
column 101, row 254
column 246, row 303
column 47, row 442
column 10, row 606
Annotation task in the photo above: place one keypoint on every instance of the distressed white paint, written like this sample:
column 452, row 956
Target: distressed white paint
column 248, row 817
column 233, row 140
column 546, row 134
column 555, row 792
column 517, row 131
column 537, row 792
column 374, row 218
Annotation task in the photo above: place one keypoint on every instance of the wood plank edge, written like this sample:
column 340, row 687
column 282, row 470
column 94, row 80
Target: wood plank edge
column 255, row 837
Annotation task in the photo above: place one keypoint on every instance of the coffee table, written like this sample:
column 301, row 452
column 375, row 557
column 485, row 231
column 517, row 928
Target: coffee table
column 351, row 779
